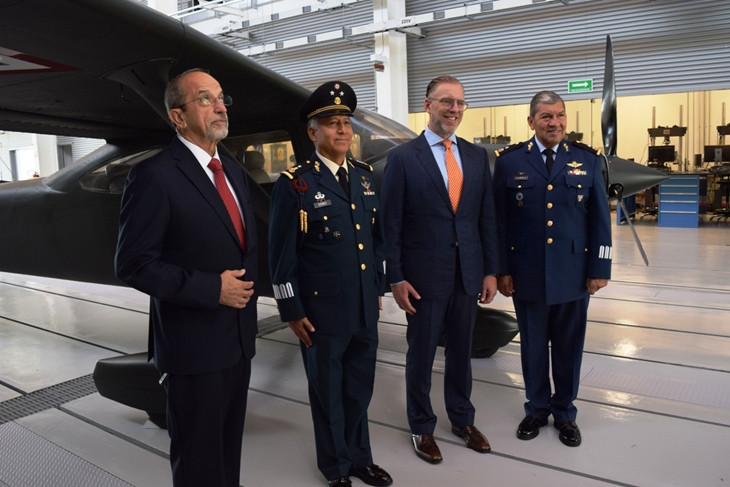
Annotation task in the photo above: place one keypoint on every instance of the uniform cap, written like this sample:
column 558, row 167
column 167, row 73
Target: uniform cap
column 332, row 98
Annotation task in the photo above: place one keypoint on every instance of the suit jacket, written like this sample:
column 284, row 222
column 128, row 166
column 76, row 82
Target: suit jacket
column 422, row 231
column 326, row 250
column 555, row 230
column 175, row 239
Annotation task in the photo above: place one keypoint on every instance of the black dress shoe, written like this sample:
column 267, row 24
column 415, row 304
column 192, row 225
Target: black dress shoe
column 569, row 433
column 530, row 427
column 473, row 437
column 426, row 448
column 341, row 482
column 372, row 475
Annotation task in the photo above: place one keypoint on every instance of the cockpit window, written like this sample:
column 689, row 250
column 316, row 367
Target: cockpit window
column 111, row 177
column 263, row 155
column 376, row 135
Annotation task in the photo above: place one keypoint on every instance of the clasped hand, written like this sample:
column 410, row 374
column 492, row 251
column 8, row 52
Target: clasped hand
column 235, row 292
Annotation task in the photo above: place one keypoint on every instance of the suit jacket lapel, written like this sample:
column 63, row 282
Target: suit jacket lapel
column 236, row 177
column 197, row 176
column 560, row 160
column 534, row 158
column 430, row 167
column 468, row 167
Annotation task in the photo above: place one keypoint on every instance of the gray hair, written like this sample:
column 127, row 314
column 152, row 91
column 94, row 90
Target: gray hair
column 174, row 97
column 547, row 97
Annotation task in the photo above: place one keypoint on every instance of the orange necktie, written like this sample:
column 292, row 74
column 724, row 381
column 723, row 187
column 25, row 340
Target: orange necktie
column 456, row 179
column 220, row 183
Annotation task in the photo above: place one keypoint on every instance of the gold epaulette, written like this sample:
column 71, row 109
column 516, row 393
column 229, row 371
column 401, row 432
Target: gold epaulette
column 508, row 149
column 360, row 164
column 585, row 147
column 298, row 170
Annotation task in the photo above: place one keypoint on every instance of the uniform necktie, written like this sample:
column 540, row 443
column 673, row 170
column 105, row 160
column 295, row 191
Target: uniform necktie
column 228, row 200
column 548, row 159
column 456, row 179
column 342, row 178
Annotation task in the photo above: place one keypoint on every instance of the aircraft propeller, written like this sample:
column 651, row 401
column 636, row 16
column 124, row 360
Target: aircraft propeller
column 623, row 177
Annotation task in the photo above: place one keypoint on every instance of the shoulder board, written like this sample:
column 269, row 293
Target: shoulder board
column 298, row 170
column 585, row 147
column 508, row 149
column 360, row 164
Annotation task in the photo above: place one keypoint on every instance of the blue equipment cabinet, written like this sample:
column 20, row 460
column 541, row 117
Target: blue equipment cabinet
column 679, row 201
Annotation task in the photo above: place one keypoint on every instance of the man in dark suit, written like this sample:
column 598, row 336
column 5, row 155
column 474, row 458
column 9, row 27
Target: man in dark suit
column 442, row 257
column 196, row 258
column 326, row 256
column 555, row 243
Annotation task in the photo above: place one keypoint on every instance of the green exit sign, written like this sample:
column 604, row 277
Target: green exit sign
column 577, row 85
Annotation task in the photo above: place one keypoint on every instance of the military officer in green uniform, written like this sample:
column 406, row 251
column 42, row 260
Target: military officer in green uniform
column 326, row 254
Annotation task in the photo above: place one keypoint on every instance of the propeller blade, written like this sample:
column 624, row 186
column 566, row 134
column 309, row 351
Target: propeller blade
column 608, row 104
column 633, row 230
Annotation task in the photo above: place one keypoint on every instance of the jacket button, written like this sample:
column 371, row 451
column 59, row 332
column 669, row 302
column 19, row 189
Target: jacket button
column 550, row 223
column 549, row 187
column 357, row 226
column 352, row 206
column 360, row 246
column 362, row 266
column 550, row 240
column 550, row 206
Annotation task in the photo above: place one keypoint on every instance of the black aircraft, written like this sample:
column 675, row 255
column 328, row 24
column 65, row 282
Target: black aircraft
column 97, row 69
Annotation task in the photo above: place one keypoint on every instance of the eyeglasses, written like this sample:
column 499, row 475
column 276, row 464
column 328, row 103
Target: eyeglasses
column 449, row 102
column 208, row 100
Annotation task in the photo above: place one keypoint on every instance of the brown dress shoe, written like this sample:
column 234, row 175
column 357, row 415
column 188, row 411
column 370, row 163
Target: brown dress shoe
column 426, row 448
column 473, row 437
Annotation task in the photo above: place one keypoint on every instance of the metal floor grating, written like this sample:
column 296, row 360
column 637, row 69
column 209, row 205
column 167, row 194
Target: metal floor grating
column 50, row 397
column 20, row 451
column 54, row 396
column 270, row 325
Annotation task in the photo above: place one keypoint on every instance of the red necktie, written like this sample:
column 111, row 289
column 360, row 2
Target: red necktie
column 220, row 183
column 454, row 175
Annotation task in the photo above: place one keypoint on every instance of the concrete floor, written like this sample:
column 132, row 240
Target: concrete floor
column 654, row 403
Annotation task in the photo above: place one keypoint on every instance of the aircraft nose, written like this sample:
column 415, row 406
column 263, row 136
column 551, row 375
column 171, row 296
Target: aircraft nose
column 633, row 177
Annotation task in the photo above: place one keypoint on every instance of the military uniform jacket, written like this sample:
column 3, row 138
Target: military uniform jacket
column 326, row 251
column 555, row 231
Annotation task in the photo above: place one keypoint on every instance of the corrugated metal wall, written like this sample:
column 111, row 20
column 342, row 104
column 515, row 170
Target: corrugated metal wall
column 80, row 146
column 660, row 46
column 504, row 57
column 313, row 64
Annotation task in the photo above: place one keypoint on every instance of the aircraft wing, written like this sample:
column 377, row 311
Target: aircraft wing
column 92, row 68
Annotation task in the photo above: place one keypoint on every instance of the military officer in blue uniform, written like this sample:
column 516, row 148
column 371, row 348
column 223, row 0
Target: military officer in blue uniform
column 326, row 254
column 555, row 244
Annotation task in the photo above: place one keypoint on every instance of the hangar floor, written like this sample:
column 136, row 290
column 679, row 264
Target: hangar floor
column 654, row 404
